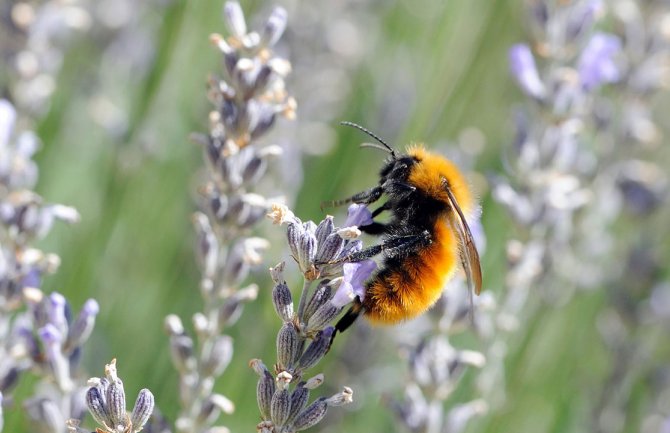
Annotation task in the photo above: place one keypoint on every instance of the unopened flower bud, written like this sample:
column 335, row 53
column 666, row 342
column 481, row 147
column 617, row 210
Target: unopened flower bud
column 312, row 415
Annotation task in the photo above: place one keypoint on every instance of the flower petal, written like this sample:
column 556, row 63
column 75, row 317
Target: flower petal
column 358, row 215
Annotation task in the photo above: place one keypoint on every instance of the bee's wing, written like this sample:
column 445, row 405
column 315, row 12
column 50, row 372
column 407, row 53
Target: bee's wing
column 468, row 251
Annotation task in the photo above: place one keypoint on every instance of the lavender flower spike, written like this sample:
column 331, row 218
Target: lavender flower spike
column 596, row 64
column 522, row 66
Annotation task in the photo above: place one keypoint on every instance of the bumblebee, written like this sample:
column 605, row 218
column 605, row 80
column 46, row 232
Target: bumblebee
column 425, row 239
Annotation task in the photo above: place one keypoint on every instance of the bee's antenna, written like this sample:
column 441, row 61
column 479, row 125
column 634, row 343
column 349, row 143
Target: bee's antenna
column 371, row 134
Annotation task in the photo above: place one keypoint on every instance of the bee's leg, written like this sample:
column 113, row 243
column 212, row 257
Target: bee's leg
column 364, row 197
column 391, row 247
column 396, row 188
column 380, row 209
column 374, row 228
column 347, row 320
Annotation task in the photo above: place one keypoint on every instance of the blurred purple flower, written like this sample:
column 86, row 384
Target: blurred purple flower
column 7, row 118
column 596, row 63
column 50, row 335
column 358, row 215
column 478, row 233
column 522, row 66
column 355, row 275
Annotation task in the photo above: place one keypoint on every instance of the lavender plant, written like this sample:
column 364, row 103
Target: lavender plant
column 551, row 165
column 37, row 331
column 248, row 97
column 313, row 247
column 34, row 38
column 572, row 162
column 632, row 177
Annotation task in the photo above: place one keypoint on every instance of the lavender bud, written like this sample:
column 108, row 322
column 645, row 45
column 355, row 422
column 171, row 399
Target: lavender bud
column 320, row 296
column 207, row 244
column 299, row 398
column 181, row 349
column 208, row 413
column 277, row 273
column 288, row 345
column 254, row 170
column 230, row 311
column 262, row 78
column 316, row 349
column 56, row 311
column 280, row 407
column 314, row 382
column 116, row 402
column 282, row 301
column 307, row 247
column 219, row 357
column 236, row 268
column 223, row 403
column 324, row 229
column 274, row 27
column 101, row 383
column 254, row 209
column 258, row 367
column 201, row 324
column 97, row 407
column 327, row 312
column 312, row 415
column 264, row 119
column 341, row 398
column 265, row 389
column 82, row 327
column 294, row 232
column 173, row 325
column 234, row 18
column 230, row 60
column 9, row 380
column 144, row 407
column 65, row 213
column 330, row 248
column 524, row 70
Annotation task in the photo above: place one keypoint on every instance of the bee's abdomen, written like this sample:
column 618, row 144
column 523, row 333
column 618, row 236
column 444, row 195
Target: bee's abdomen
column 403, row 289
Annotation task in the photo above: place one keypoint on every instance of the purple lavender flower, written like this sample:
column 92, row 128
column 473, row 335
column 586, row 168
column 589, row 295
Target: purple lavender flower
column 358, row 215
column 522, row 66
column 355, row 275
column 596, row 64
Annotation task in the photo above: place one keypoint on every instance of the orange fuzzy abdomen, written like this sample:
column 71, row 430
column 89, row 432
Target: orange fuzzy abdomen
column 403, row 292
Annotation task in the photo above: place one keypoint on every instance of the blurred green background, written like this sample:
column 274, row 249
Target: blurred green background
column 132, row 250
